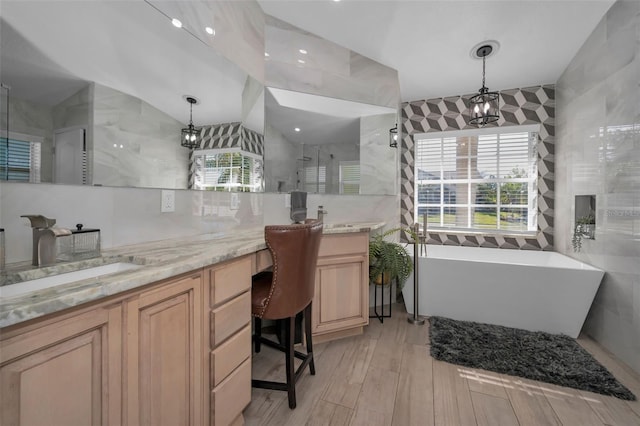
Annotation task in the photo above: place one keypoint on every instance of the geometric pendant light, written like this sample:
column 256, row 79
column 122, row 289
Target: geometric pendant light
column 190, row 135
column 484, row 107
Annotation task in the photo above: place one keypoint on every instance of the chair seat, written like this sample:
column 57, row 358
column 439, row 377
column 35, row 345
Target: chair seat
column 260, row 287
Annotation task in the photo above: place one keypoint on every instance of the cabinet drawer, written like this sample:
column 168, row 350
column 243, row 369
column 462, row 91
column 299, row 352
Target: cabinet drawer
column 232, row 395
column 229, row 318
column 230, row 354
column 263, row 260
column 341, row 244
column 230, row 280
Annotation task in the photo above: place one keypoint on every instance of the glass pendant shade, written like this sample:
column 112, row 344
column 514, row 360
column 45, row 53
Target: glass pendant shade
column 190, row 135
column 393, row 137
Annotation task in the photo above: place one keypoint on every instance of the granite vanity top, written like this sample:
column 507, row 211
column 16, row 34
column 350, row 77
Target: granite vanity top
column 158, row 260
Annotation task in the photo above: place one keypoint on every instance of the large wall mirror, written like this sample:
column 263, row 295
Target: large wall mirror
column 323, row 145
column 96, row 90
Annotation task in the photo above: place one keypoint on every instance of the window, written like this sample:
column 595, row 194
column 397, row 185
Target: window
column 315, row 179
column 227, row 170
column 349, row 177
column 478, row 180
column 19, row 160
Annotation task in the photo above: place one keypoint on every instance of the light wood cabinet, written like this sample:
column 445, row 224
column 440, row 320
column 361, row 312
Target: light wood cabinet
column 230, row 339
column 67, row 372
column 341, row 302
column 164, row 355
column 176, row 352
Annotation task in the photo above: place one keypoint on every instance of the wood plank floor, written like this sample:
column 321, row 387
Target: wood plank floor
column 387, row 377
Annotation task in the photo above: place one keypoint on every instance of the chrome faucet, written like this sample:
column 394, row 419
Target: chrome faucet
column 44, row 239
column 321, row 213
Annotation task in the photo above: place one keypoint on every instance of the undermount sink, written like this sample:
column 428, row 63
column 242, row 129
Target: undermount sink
column 66, row 278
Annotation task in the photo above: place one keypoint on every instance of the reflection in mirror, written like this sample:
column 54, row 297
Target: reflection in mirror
column 100, row 100
column 315, row 143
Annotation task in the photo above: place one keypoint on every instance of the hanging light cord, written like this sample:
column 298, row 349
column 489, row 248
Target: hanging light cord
column 483, row 61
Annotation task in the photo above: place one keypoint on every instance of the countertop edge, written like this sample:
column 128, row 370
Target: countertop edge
column 160, row 260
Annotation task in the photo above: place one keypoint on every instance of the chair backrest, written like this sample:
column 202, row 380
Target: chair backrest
column 294, row 249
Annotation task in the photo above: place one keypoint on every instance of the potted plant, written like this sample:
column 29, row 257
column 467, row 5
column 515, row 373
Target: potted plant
column 584, row 228
column 388, row 259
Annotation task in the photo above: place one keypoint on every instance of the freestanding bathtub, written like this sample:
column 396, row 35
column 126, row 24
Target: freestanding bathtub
column 531, row 290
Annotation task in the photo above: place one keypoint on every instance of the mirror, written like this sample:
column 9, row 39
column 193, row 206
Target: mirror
column 326, row 145
column 99, row 87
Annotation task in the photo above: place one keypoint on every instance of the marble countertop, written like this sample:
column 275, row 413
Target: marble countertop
column 158, row 260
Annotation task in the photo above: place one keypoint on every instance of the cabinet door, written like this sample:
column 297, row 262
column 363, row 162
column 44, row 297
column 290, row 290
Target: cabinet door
column 64, row 373
column 164, row 355
column 340, row 300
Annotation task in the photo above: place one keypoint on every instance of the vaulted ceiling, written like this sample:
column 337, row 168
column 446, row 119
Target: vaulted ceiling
column 429, row 42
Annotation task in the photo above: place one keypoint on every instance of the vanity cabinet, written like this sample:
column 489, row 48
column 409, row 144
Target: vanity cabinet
column 341, row 302
column 164, row 354
column 66, row 372
column 229, row 346
column 176, row 352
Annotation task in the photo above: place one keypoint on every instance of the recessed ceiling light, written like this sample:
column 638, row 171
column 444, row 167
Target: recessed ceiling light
column 176, row 23
column 266, row 54
column 304, row 52
column 301, row 61
column 210, row 31
column 297, row 129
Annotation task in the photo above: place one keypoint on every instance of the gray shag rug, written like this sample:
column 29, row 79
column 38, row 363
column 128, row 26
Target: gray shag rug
column 544, row 357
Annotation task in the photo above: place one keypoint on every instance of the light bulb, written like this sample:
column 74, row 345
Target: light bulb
column 476, row 109
column 210, row 31
column 176, row 23
column 395, row 137
column 486, row 107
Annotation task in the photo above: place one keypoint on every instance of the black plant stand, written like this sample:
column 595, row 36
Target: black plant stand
column 380, row 315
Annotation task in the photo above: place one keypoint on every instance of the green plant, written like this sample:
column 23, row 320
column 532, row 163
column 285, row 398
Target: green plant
column 580, row 230
column 389, row 258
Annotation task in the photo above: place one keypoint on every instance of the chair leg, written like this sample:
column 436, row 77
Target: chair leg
column 289, row 361
column 257, row 333
column 307, row 332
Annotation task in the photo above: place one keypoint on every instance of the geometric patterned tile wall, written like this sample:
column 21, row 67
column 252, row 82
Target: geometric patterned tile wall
column 530, row 105
column 226, row 135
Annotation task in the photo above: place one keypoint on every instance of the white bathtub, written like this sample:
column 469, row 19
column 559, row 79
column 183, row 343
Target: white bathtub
column 531, row 290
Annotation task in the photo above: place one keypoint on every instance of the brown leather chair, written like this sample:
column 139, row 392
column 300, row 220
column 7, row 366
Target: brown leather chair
column 285, row 292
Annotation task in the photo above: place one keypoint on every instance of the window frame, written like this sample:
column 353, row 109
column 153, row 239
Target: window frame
column 35, row 155
column 531, row 181
column 228, row 186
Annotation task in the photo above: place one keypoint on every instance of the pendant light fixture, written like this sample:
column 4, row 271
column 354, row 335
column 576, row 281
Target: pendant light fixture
column 484, row 108
column 393, row 136
column 190, row 135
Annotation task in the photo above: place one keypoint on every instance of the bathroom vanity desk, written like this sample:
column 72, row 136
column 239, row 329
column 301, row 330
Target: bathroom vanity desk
column 166, row 343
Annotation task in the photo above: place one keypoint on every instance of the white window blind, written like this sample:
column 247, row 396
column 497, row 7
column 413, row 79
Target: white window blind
column 226, row 171
column 315, row 179
column 20, row 160
column 478, row 181
column 349, row 177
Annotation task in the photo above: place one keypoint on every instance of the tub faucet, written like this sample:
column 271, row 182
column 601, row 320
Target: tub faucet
column 321, row 213
column 44, row 239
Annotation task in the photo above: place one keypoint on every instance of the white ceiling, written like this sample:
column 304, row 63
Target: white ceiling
column 51, row 49
column 429, row 42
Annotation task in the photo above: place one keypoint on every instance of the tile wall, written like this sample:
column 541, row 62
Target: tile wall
column 598, row 149
column 530, row 105
column 132, row 215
